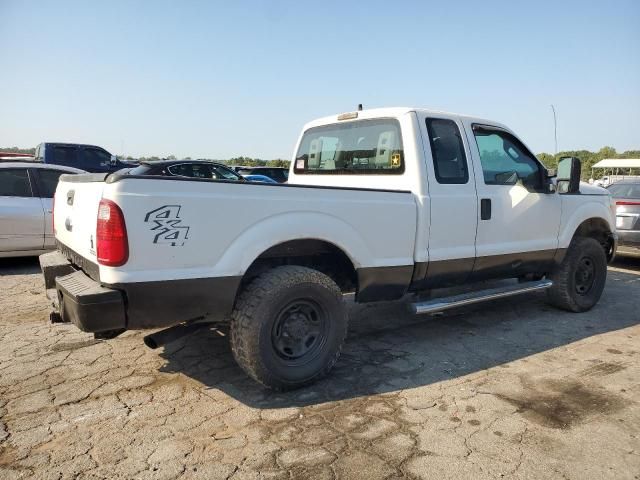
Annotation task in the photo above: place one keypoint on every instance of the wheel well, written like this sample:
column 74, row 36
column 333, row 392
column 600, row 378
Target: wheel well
column 317, row 254
column 598, row 229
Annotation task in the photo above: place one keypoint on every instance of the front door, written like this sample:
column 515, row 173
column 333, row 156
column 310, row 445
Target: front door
column 518, row 222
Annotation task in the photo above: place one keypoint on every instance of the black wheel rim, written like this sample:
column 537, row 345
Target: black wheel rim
column 585, row 275
column 299, row 331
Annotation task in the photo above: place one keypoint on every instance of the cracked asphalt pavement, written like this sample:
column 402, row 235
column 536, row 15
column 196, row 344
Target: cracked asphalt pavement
column 508, row 389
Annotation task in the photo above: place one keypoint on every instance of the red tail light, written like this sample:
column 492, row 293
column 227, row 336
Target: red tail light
column 112, row 244
column 627, row 203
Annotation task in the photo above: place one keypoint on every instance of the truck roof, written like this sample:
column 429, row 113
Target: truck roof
column 67, row 144
column 396, row 112
column 43, row 166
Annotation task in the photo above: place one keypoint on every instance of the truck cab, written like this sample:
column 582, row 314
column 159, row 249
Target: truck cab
column 89, row 158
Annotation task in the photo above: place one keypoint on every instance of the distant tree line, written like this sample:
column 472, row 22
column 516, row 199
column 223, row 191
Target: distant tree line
column 30, row 151
column 589, row 159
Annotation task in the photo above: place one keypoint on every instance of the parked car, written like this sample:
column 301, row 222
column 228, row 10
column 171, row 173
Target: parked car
column 611, row 179
column 90, row 158
column 186, row 168
column 279, row 174
column 369, row 208
column 259, row 178
column 26, row 193
column 627, row 197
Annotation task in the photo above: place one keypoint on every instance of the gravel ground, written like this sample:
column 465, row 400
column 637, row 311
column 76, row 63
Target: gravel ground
column 510, row 389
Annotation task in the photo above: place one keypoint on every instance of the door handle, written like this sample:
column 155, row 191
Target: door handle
column 485, row 209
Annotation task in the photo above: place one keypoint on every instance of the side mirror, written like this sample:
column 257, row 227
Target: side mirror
column 551, row 172
column 114, row 160
column 569, row 169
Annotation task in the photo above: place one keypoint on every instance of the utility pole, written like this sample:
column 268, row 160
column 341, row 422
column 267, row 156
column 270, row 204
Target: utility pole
column 555, row 128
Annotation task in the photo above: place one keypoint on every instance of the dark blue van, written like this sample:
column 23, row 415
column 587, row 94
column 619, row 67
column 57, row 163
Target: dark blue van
column 90, row 158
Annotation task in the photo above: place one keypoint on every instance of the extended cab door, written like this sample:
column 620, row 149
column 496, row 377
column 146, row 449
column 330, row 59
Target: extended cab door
column 453, row 201
column 518, row 222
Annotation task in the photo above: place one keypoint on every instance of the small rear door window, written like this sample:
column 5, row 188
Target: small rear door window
column 449, row 160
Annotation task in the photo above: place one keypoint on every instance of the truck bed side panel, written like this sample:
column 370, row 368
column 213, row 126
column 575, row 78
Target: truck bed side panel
column 201, row 229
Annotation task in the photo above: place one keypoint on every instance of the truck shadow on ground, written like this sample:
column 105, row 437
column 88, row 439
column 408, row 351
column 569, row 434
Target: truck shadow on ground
column 389, row 349
column 19, row 266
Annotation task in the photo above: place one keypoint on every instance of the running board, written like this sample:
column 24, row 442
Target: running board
column 445, row 303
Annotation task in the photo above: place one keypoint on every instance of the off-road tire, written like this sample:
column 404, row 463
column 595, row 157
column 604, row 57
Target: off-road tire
column 261, row 305
column 564, row 293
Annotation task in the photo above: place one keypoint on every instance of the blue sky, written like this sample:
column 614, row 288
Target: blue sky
column 221, row 79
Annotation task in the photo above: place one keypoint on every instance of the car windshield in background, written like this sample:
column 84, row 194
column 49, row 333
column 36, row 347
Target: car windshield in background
column 359, row 147
column 625, row 190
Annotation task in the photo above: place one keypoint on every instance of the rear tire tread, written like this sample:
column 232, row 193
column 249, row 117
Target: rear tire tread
column 245, row 322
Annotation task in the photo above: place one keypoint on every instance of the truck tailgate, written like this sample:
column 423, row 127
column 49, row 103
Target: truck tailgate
column 76, row 210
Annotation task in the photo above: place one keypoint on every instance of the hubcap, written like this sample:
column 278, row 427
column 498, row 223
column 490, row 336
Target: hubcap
column 299, row 330
column 585, row 275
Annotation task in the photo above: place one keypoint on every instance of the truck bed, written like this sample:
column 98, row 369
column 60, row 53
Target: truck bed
column 190, row 238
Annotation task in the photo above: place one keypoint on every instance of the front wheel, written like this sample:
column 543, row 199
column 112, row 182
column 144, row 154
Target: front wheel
column 579, row 280
column 288, row 327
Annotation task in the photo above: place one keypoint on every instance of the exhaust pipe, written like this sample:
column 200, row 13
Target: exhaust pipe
column 171, row 334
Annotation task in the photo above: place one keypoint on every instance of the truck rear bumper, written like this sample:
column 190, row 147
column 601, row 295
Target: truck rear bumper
column 96, row 307
column 629, row 238
column 79, row 299
column 88, row 305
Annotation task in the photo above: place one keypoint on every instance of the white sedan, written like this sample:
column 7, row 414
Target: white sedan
column 26, row 197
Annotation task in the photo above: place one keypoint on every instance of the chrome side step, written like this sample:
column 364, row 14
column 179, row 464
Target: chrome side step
column 445, row 303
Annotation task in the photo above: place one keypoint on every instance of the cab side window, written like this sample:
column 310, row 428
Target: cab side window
column 181, row 170
column 449, row 160
column 14, row 182
column 505, row 160
column 64, row 155
column 48, row 181
column 97, row 158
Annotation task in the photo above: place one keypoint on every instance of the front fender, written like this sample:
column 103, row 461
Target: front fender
column 577, row 214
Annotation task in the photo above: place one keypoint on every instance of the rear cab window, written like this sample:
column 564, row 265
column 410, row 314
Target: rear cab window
column 352, row 148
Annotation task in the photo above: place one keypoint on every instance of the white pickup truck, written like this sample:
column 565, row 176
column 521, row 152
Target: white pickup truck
column 380, row 202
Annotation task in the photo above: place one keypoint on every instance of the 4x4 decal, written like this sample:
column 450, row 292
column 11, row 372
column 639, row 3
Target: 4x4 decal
column 167, row 226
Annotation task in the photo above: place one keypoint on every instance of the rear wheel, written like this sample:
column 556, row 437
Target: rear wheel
column 579, row 280
column 288, row 327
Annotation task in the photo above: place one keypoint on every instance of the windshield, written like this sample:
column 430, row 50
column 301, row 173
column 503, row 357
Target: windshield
column 625, row 190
